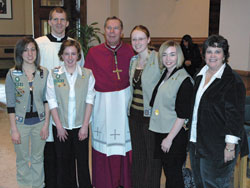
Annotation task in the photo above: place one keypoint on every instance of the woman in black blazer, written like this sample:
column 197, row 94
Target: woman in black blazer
column 217, row 118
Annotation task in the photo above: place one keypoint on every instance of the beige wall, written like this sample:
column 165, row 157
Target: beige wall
column 171, row 18
column 164, row 18
column 98, row 11
column 234, row 25
column 21, row 24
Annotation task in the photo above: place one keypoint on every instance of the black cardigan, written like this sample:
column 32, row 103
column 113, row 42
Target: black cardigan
column 220, row 113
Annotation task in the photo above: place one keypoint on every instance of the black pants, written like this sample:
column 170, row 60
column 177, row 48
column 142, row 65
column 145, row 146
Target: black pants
column 65, row 151
column 146, row 171
column 173, row 171
column 50, row 165
column 174, row 160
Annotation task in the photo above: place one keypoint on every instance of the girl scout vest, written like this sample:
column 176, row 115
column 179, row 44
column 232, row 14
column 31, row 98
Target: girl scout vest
column 163, row 113
column 23, row 93
column 62, row 95
column 150, row 76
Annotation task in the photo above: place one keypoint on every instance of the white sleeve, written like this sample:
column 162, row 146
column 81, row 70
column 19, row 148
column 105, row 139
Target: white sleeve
column 50, row 93
column 232, row 139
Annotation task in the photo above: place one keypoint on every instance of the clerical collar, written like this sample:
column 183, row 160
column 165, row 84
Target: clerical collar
column 113, row 49
column 53, row 38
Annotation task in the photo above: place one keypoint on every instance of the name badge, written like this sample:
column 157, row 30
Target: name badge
column 42, row 115
column 147, row 112
column 19, row 119
column 17, row 73
column 56, row 70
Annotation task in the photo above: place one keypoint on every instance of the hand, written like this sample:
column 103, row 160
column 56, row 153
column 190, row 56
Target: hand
column 166, row 144
column 188, row 63
column 83, row 133
column 61, row 134
column 15, row 137
column 44, row 133
column 229, row 155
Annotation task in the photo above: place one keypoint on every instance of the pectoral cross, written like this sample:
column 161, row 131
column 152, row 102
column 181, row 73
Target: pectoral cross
column 117, row 71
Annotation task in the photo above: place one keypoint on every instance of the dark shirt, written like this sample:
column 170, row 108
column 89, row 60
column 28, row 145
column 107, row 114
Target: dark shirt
column 192, row 54
column 137, row 107
column 137, row 102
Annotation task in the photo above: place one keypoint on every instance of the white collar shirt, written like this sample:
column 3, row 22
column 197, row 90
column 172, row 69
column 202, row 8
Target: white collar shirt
column 51, row 96
column 71, row 78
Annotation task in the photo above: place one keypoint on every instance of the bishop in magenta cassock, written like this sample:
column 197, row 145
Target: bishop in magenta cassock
column 111, row 145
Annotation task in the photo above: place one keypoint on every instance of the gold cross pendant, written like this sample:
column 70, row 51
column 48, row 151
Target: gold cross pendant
column 117, row 71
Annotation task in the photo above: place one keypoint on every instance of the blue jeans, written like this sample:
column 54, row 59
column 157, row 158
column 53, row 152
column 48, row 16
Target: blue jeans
column 211, row 173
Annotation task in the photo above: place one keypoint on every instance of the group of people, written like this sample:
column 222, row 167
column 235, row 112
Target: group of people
column 145, row 110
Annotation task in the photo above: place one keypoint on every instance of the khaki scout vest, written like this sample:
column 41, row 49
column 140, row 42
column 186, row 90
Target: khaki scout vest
column 163, row 113
column 150, row 76
column 62, row 95
column 23, row 93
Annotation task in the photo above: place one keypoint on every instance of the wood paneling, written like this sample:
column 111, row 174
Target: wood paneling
column 157, row 41
column 7, row 46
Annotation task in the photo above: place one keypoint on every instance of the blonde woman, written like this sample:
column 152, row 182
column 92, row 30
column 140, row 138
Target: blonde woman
column 171, row 107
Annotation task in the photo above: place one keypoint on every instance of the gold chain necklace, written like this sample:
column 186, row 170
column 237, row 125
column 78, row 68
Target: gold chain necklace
column 142, row 65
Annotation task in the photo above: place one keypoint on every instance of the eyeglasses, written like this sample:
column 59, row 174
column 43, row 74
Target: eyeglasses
column 138, row 39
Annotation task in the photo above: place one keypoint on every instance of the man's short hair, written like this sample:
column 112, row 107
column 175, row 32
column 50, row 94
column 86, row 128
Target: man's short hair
column 113, row 18
column 58, row 10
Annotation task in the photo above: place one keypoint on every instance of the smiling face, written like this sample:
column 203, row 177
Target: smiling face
column 113, row 32
column 214, row 58
column 70, row 57
column 29, row 53
column 169, row 58
column 58, row 24
column 139, row 41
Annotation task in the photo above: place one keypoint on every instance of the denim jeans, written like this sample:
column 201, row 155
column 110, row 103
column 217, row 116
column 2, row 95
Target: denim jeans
column 211, row 173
